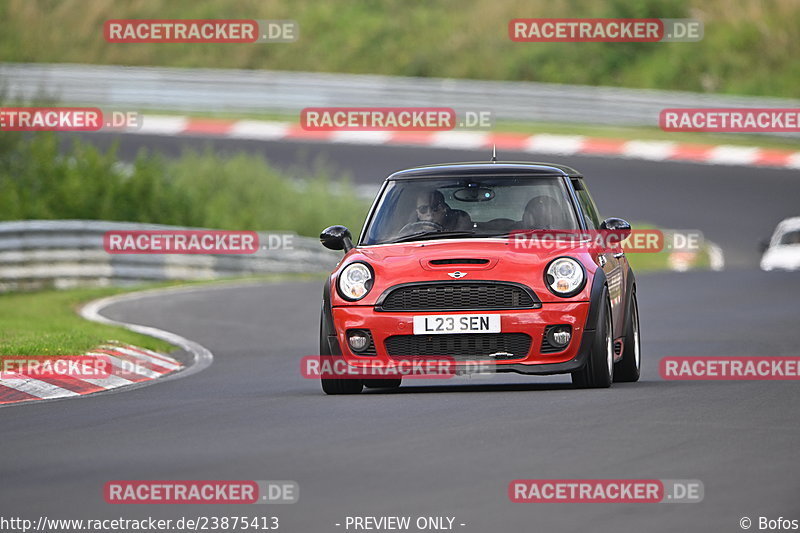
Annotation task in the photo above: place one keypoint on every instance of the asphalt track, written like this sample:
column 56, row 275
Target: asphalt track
column 450, row 448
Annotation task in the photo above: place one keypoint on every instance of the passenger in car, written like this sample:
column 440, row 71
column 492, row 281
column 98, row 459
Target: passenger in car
column 542, row 212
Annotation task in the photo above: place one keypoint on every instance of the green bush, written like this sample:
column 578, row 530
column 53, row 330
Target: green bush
column 238, row 192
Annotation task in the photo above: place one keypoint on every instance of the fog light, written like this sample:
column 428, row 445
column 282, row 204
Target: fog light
column 359, row 340
column 559, row 336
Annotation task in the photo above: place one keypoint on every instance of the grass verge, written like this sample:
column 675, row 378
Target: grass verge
column 48, row 323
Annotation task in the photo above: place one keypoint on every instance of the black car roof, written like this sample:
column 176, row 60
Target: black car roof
column 505, row 168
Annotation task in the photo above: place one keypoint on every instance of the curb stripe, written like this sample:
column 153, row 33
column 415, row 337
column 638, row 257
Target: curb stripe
column 73, row 384
column 130, row 365
column 139, row 370
column 126, row 362
column 466, row 139
column 594, row 145
column 510, row 141
column 111, row 382
column 153, row 358
column 137, row 367
column 208, row 126
column 9, row 395
column 39, row 389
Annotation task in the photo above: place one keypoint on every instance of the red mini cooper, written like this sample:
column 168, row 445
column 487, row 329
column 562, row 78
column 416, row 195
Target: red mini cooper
column 450, row 265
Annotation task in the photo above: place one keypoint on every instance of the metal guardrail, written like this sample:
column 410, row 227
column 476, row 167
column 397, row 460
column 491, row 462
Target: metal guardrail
column 210, row 90
column 68, row 253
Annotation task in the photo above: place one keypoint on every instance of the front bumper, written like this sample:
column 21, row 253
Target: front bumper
column 532, row 322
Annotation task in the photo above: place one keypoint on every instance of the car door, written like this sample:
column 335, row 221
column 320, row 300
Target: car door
column 612, row 261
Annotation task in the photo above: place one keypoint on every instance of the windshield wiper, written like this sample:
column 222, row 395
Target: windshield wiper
column 431, row 235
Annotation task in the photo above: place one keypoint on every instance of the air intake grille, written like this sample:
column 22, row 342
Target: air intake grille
column 461, row 346
column 459, row 296
column 546, row 346
column 465, row 261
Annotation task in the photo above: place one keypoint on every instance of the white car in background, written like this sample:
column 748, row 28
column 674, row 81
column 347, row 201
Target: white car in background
column 783, row 250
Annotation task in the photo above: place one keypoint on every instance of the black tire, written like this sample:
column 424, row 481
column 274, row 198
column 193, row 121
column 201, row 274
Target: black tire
column 599, row 370
column 341, row 386
column 382, row 383
column 334, row 385
column 630, row 366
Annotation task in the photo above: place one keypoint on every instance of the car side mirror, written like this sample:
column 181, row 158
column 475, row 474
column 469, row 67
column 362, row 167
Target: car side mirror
column 763, row 245
column 617, row 225
column 336, row 238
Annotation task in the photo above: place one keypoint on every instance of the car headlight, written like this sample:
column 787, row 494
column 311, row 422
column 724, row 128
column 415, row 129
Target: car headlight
column 565, row 277
column 355, row 281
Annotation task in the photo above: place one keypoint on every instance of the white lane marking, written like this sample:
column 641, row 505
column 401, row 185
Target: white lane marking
column 652, row 150
column 161, row 125
column 361, row 137
column 733, row 155
column 459, row 139
column 555, row 144
column 37, row 388
column 259, row 129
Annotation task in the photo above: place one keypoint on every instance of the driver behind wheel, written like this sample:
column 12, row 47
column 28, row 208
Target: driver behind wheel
column 431, row 207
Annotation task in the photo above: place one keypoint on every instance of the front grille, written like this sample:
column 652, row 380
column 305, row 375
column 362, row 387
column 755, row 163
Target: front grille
column 473, row 296
column 460, row 345
column 466, row 261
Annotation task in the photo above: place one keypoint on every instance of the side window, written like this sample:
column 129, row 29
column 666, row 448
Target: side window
column 587, row 204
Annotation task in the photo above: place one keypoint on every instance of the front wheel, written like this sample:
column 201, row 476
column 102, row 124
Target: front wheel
column 334, row 385
column 599, row 370
column 341, row 386
column 630, row 366
column 383, row 383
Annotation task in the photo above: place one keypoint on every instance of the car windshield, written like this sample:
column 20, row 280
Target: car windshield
column 790, row 238
column 428, row 208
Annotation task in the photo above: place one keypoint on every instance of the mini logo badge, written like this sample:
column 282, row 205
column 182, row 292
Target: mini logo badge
column 457, row 274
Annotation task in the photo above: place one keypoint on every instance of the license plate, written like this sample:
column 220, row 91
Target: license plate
column 441, row 324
